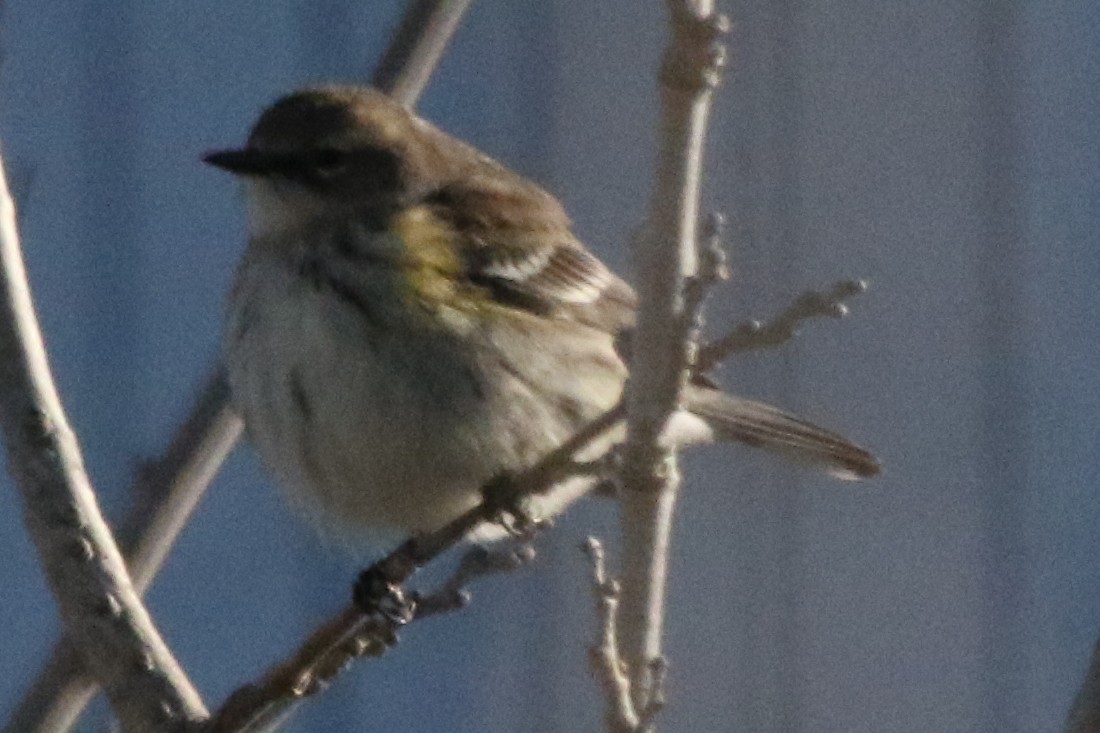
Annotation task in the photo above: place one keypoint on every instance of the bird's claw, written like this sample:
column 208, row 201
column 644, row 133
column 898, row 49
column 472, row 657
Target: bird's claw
column 374, row 593
column 505, row 505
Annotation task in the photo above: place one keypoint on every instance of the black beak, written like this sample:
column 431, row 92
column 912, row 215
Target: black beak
column 245, row 162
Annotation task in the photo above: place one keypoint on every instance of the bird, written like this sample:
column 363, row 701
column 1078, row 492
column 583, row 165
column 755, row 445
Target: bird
column 411, row 318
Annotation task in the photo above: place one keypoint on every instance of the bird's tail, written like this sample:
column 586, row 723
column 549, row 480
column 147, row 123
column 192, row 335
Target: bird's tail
column 764, row 426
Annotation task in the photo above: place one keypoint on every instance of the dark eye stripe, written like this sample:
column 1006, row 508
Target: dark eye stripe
column 375, row 169
column 329, row 159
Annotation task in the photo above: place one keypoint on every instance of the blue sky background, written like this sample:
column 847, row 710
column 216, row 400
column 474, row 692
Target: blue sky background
column 946, row 151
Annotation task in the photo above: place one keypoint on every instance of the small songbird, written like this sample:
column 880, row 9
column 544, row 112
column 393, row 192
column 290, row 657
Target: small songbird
column 412, row 319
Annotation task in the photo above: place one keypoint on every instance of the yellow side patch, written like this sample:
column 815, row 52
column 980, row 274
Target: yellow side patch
column 430, row 252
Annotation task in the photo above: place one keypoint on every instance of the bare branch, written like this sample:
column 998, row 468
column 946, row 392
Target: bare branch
column 713, row 269
column 666, row 258
column 477, row 562
column 781, row 329
column 421, row 38
column 100, row 608
column 348, row 636
column 62, row 689
column 165, row 492
column 603, row 655
column 172, row 485
column 352, row 633
column 658, row 670
column 57, row 696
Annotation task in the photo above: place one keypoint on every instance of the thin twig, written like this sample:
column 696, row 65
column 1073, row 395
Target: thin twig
column 348, row 636
column 57, row 696
column 421, row 38
column 666, row 258
column 418, row 551
column 603, row 655
column 352, row 633
column 713, row 269
column 174, row 483
column 655, row 702
column 477, row 562
column 754, row 335
column 83, row 566
column 62, row 689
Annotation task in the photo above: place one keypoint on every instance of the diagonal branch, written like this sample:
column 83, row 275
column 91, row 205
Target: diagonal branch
column 165, row 492
column 352, row 633
column 421, row 38
column 99, row 606
column 178, row 480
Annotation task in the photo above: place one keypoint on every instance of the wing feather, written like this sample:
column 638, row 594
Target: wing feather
column 516, row 242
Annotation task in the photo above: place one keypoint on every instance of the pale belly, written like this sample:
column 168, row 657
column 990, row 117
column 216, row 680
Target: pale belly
column 376, row 421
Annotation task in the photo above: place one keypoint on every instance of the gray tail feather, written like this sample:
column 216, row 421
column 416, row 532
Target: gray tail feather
column 764, row 426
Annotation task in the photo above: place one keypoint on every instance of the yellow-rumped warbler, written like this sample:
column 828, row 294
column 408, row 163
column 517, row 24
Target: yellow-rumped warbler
column 411, row 319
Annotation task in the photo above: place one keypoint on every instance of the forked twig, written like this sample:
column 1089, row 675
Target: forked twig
column 603, row 655
column 754, row 335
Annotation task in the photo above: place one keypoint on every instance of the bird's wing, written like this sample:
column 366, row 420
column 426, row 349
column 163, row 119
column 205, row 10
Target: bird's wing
column 516, row 243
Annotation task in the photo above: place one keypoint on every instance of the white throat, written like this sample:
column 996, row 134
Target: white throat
column 278, row 206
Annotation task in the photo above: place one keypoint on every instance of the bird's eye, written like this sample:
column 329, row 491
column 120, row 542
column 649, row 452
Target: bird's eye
column 329, row 161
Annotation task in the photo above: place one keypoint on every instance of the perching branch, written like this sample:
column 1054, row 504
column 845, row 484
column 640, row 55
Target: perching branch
column 178, row 480
column 353, row 633
column 666, row 257
column 264, row 705
column 99, row 606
